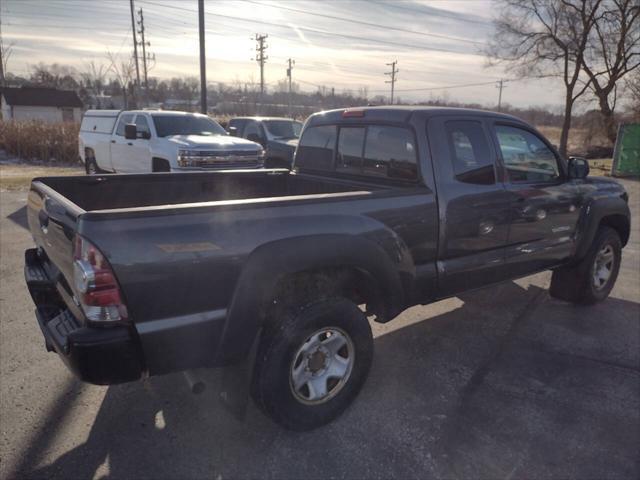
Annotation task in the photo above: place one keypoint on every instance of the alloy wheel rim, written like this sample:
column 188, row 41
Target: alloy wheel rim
column 321, row 366
column 603, row 266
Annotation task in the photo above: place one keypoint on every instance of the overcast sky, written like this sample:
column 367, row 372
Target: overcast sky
column 436, row 43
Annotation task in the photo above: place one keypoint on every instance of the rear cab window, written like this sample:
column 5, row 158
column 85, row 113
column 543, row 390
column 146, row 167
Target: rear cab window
column 316, row 148
column 380, row 151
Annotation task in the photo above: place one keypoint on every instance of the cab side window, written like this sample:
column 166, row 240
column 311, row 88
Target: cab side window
column 526, row 157
column 470, row 153
column 124, row 119
column 142, row 126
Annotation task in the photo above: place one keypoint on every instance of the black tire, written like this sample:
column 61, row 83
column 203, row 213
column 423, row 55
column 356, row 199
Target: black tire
column 91, row 167
column 576, row 283
column 272, row 388
column 160, row 165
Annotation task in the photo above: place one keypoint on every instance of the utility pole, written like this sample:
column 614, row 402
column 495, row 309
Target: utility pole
column 203, row 60
column 291, row 64
column 393, row 73
column 261, row 58
column 500, row 85
column 144, row 57
column 1, row 53
column 135, row 43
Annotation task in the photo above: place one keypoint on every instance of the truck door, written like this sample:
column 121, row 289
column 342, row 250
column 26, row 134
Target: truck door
column 140, row 153
column 120, row 145
column 473, row 204
column 545, row 205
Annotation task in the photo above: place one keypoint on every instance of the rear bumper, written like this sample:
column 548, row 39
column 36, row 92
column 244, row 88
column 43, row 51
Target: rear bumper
column 101, row 356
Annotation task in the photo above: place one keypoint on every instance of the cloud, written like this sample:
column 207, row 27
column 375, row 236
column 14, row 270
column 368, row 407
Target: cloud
column 327, row 51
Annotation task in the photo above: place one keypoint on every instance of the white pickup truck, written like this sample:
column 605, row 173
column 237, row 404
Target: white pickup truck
column 160, row 141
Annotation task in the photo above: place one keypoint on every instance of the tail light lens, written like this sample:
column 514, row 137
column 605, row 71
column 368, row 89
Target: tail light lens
column 96, row 285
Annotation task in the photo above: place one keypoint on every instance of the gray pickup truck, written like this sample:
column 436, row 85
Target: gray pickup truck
column 277, row 272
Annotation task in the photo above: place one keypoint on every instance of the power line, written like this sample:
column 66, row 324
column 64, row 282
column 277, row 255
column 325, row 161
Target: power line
column 438, row 13
column 320, row 32
column 360, row 22
column 392, row 73
column 445, row 87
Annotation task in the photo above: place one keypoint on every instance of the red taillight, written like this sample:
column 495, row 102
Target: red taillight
column 96, row 285
column 353, row 113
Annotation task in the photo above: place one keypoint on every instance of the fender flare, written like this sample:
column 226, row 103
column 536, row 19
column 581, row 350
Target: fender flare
column 269, row 263
column 594, row 213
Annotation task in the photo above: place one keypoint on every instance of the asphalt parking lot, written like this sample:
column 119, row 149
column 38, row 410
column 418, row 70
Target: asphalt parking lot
column 504, row 382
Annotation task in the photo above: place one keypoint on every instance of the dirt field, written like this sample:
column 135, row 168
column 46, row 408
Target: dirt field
column 15, row 176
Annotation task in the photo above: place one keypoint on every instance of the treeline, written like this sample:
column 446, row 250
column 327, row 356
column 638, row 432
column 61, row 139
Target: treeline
column 99, row 88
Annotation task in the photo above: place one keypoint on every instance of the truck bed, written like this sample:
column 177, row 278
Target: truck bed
column 108, row 192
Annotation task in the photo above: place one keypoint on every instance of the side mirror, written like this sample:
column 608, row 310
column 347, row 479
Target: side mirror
column 233, row 131
column 130, row 131
column 578, row 167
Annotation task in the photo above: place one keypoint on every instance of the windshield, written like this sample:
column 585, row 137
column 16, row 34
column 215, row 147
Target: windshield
column 186, row 125
column 283, row 128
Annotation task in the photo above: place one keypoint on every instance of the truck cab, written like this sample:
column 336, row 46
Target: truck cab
column 278, row 136
column 144, row 141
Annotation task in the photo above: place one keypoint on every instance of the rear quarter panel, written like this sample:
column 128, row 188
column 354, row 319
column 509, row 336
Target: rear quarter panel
column 173, row 263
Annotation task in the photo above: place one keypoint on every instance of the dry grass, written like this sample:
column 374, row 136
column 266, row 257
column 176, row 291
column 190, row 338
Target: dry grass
column 18, row 176
column 52, row 143
column 579, row 138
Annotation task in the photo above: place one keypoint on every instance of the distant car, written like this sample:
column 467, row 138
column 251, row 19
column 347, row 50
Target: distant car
column 160, row 141
column 278, row 136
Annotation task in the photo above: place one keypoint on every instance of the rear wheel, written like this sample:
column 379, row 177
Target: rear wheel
column 312, row 362
column 592, row 279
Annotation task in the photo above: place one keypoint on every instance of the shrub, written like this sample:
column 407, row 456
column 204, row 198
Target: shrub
column 34, row 140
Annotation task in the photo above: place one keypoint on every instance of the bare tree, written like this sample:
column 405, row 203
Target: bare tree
column 123, row 72
column 93, row 77
column 5, row 53
column 54, row 75
column 613, row 52
column 632, row 84
column 546, row 38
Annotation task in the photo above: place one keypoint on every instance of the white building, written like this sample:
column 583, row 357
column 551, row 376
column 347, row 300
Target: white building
column 40, row 103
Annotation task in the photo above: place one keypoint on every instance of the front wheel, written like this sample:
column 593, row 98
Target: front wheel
column 91, row 167
column 312, row 362
column 592, row 279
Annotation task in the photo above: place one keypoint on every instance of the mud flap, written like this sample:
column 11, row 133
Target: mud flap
column 236, row 383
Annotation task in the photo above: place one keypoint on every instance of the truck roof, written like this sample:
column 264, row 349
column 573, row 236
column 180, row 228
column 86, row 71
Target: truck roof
column 115, row 113
column 400, row 113
column 259, row 119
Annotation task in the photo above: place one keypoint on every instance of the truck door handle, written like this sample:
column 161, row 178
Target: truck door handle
column 113, row 141
column 129, row 143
